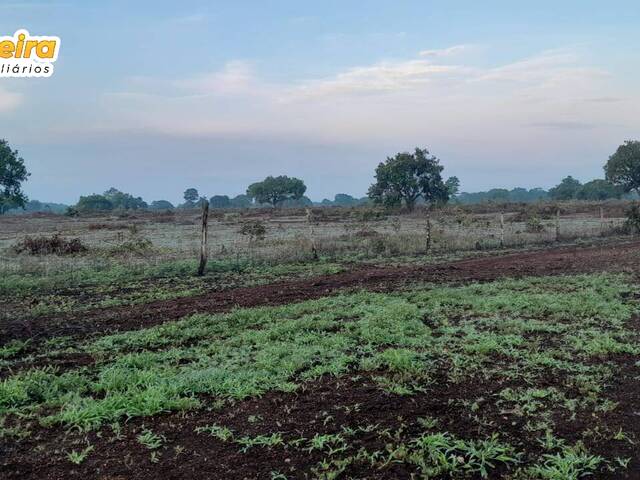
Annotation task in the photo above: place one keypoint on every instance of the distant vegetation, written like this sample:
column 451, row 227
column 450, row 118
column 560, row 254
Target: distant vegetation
column 623, row 167
column 405, row 180
column 277, row 190
column 503, row 195
column 161, row 205
column 12, row 173
column 344, row 200
column 407, row 177
column 112, row 199
column 33, row 206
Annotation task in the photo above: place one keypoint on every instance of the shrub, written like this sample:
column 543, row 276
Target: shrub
column 369, row 214
column 107, row 226
column 135, row 246
column 534, row 225
column 44, row 245
column 72, row 212
column 255, row 230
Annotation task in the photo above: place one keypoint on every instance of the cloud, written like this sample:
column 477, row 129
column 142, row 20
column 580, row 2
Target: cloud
column 524, row 119
column 446, row 52
column 9, row 100
column 235, row 77
column 510, row 107
column 380, row 77
column 190, row 19
column 563, row 125
column 35, row 5
column 604, row 99
column 544, row 67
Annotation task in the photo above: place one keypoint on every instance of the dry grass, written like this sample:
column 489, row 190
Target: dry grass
column 44, row 245
column 340, row 233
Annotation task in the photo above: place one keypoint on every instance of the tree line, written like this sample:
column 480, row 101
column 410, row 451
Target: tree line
column 404, row 180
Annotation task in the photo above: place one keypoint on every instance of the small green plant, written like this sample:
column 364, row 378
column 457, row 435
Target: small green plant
column 150, row 439
column 221, row 433
column 12, row 348
column 272, row 440
column 571, row 463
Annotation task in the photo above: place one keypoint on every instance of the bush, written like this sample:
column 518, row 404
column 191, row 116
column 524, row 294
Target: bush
column 369, row 214
column 72, row 212
column 254, row 230
column 534, row 225
column 107, row 226
column 135, row 246
column 44, row 245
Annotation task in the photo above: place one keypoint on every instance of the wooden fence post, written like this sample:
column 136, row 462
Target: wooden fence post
column 558, row 225
column 314, row 250
column 501, row 229
column 428, row 229
column 601, row 220
column 203, row 238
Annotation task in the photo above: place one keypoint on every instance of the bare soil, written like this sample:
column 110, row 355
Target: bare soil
column 555, row 261
column 322, row 407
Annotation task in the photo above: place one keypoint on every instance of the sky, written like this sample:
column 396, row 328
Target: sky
column 155, row 97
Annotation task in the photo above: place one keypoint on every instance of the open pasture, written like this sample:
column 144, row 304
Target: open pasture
column 462, row 362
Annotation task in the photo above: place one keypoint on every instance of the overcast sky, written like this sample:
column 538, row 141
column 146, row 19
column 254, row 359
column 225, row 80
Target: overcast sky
column 155, row 97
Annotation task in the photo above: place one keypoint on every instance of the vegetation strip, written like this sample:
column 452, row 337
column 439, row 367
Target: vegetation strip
column 516, row 378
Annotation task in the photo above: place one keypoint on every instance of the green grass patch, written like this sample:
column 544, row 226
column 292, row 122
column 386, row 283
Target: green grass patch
column 517, row 332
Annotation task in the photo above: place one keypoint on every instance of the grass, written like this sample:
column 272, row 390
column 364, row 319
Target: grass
column 110, row 285
column 512, row 334
column 406, row 335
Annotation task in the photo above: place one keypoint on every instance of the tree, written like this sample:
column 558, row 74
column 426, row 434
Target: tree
column 12, row 173
column 344, row 200
column 161, row 205
column 201, row 202
column 517, row 194
column 453, row 186
column 599, row 190
column 275, row 190
column 407, row 177
column 303, row 201
column 219, row 201
column 191, row 196
column 240, row 201
column 498, row 195
column 94, row 202
column 124, row 201
column 623, row 167
column 567, row 189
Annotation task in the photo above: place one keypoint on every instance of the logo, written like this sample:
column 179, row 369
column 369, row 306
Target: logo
column 24, row 55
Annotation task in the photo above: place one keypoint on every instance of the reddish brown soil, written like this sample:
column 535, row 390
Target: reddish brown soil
column 558, row 261
column 321, row 407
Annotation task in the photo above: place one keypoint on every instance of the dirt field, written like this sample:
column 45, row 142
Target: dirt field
column 560, row 261
column 515, row 366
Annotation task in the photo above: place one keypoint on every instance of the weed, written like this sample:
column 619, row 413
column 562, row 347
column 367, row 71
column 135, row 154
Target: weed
column 78, row 457
column 150, row 439
column 221, row 433
column 571, row 463
column 273, row 440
